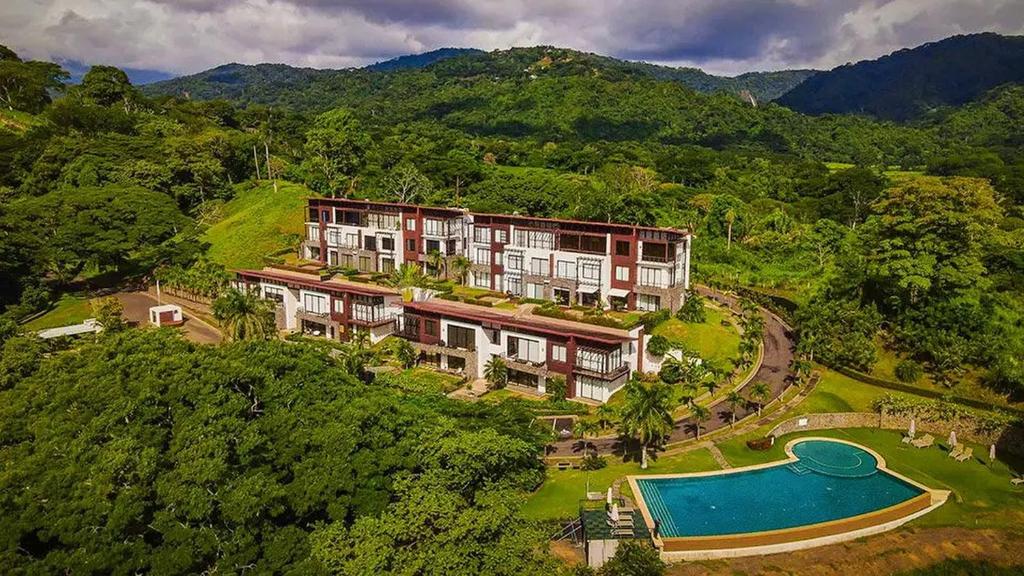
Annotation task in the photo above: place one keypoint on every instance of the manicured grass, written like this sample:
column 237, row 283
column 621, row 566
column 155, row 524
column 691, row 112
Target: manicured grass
column 982, row 495
column 69, row 310
column 711, row 340
column 560, row 494
column 258, row 222
column 838, row 393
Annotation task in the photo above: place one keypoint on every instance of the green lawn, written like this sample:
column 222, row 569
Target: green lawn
column 258, row 222
column 982, row 494
column 68, row 310
column 711, row 340
column 560, row 494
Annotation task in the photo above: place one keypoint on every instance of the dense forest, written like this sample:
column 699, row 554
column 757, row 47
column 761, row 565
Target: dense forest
column 890, row 239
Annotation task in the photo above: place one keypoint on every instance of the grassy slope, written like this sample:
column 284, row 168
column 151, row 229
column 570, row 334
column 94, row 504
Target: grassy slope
column 560, row 495
column 68, row 310
column 711, row 340
column 257, row 222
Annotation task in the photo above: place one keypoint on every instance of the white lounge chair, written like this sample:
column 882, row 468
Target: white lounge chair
column 924, row 441
column 956, row 451
column 965, row 455
column 1016, row 481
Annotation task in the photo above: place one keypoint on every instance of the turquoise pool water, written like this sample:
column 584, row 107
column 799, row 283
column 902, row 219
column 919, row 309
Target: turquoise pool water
column 831, row 480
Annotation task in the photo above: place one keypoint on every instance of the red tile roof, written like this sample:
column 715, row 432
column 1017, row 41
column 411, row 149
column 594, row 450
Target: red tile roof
column 314, row 281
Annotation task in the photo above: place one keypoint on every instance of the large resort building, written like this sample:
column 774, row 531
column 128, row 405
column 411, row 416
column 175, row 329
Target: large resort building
column 519, row 258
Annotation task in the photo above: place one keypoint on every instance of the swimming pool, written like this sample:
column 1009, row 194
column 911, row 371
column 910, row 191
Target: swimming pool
column 824, row 483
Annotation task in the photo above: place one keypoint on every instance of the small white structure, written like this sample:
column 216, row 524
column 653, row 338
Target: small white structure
column 89, row 326
column 166, row 315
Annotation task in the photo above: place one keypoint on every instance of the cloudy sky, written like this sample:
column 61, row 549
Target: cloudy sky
column 721, row 36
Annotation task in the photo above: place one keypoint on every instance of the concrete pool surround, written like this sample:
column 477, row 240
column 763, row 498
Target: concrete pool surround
column 676, row 548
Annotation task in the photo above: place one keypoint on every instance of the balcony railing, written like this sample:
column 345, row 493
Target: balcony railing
column 371, row 314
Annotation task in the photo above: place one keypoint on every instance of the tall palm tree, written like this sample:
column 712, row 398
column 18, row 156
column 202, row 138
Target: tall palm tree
column 243, row 315
column 802, row 368
column 606, row 416
column 403, row 352
column 646, row 415
column 496, row 372
column 730, row 219
column 407, row 276
column 436, row 261
column 700, row 415
column 581, row 429
column 735, row 400
column 759, row 394
column 460, row 267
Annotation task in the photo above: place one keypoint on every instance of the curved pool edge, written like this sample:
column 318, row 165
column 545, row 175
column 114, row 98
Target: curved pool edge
column 795, row 538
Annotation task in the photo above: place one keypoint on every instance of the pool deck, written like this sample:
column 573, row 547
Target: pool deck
column 789, row 539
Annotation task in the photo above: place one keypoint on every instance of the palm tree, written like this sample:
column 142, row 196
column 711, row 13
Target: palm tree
column 496, row 372
column 759, row 394
column 646, row 415
column 606, row 416
column 356, row 356
column 403, row 352
column 735, row 400
column 700, row 415
column 460, row 267
column 581, row 429
column 407, row 276
column 244, row 315
column 802, row 368
column 436, row 261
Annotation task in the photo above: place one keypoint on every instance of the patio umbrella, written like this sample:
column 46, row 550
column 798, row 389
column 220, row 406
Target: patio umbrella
column 952, row 439
column 609, row 495
column 913, row 429
column 614, row 514
column 992, row 452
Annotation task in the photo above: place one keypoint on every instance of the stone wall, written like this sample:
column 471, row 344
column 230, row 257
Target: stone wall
column 1009, row 440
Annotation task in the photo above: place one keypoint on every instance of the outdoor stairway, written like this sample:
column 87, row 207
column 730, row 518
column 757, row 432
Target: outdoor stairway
column 799, row 468
column 571, row 531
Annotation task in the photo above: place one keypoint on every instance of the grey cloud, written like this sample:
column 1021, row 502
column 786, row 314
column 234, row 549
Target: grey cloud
column 721, row 36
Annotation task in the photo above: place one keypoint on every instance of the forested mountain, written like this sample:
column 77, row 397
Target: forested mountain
column 316, row 89
column 420, row 60
column 911, row 83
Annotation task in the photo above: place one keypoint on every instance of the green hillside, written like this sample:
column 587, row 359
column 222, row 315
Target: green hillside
column 257, row 222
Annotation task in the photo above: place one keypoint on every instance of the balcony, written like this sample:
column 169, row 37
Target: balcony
column 605, row 364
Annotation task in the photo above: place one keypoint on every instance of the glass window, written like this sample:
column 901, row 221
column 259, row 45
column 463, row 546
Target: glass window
column 387, row 243
column 535, row 239
column 352, row 240
column 590, row 270
column 501, row 236
column 432, row 226
column 275, row 293
column 481, row 234
column 558, row 353
column 314, row 303
column 339, row 306
column 535, row 291
column 370, row 243
column 514, row 261
column 650, row 276
column 648, row 302
column 539, row 266
column 461, row 337
column 482, row 279
column 524, row 349
column 514, row 285
column 483, row 256
column 622, row 273
column 621, row 248
column 430, row 327
column 566, row 269
column 410, row 244
column 410, row 224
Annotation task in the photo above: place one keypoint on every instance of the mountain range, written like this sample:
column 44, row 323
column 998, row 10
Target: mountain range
column 904, row 86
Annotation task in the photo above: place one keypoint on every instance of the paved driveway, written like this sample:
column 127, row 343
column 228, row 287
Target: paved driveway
column 136, row 311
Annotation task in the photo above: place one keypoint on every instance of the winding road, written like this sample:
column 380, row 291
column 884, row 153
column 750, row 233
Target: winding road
column 775, row 370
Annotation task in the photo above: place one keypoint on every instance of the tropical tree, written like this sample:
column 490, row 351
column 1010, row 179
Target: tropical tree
column 802, row 368
column 735, row 400
column 406, row 184
column 700, row 415
column 407, row 276
column 244, row 315
column 436, row 262
column 583, row 428
column 335, row 150
column 496, row 373
column 403, row 352
column 760, row 392
column 109, row 313
column 646, row 414
column 692, row 311
column 460, row 267
column 606, row 416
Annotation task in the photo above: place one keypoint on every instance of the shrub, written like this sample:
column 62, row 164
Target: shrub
column 670, row 373
column 658, row 345
column 908, row 371
column 761, row 444
column 593, row 462
column 652, row 319
column 557, row 388
column 692, row 311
